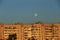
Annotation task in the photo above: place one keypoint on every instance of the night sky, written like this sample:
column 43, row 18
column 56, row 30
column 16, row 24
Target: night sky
column 29, row 11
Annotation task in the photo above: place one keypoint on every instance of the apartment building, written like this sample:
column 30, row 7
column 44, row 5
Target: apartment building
column 10, row 29
column 36, row 31
column 1, row 32
column 56, row 32
column 27, row 31
column 48, row 31
column 52, row 31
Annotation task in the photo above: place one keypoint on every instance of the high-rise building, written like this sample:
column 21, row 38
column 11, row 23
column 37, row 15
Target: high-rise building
column 56, row 32
column 36, row 31
column 11, row 29
column 1, row 32
column 48, row 31
column 27, row 31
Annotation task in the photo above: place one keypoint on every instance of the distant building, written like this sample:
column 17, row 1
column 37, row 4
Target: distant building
column 1, row 31
column 9, row 29
column 36, row 31
column 27, row 31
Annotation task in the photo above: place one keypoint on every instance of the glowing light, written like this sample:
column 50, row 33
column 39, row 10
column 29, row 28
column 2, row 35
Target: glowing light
column 35, row 14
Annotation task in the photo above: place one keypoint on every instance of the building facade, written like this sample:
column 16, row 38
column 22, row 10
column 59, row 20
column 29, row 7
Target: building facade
column 27, row 31
column 1, row 31
column 36, row 31
column 10, row 29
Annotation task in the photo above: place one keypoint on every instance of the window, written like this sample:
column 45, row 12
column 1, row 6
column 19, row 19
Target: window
column 14, row 30
column 6, row 27
column 14, row 27
column 9, row 27
column 5, row 30
column 47, row 39
column 26, row 35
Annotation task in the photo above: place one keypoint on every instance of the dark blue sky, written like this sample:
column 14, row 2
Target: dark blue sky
column 12, row 11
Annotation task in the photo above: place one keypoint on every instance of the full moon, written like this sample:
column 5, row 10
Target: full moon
column 35, row 14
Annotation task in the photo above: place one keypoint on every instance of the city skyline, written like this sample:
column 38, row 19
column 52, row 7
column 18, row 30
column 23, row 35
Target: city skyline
column 38, row 31
column 29, row 11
